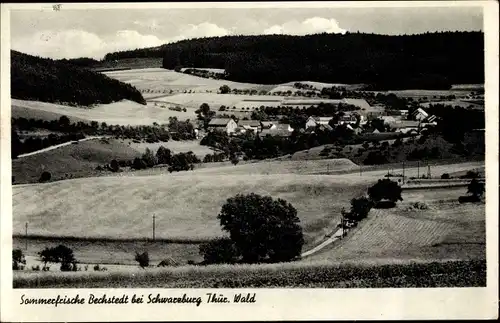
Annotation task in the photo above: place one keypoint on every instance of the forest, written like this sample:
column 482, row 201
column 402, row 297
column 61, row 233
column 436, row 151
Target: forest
column 47, row 80
column 423, row 61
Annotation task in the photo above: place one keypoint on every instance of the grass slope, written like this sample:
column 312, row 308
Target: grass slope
column 121, row 113
column 79, row 160
column 447, row 230
column 185, row 204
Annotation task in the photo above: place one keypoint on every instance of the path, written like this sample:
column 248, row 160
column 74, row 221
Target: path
column 337, row 235
column 58, row 146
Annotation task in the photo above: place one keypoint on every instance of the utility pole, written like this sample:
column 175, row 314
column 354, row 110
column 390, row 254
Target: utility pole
column 328, row 168
column 154, row 224
column 360, row 171
column 428, row 171
column 418, row 169
column 403, row 172
column 26, row 235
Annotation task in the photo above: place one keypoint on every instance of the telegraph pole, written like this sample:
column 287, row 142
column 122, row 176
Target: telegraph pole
column 418, row 169
column 403, row 172
column 154, row 217
column 428, row 171
column 26, row 235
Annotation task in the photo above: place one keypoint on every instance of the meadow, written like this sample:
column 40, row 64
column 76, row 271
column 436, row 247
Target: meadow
column 71, row 161
column 121, row 113
column 467, row 273
column 182, row 146
column 185, row 204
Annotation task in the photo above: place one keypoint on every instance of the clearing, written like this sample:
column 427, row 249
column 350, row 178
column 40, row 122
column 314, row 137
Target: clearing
column 182, row 146
column 122, row 113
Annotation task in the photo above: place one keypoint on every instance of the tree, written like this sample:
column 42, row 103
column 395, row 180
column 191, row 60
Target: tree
column 219, row 251
column 476, row 188
column 139, row 163
column 224, row 89
column 64, row 122
column 45, row 177
column 163, row 155
column 114, row 166
column 18, row 259
column 385, row 189
column 262, row 229
column 149, row 158
column 60, row 254
column 235, row 160
column 360, row 207
column 142, row 259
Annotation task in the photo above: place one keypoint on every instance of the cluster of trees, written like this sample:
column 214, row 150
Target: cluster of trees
column 455, row 122
column 48, row 80
column 261, row 229
column 60, row 254
column 214, row 158
column 424, row 61
column 181, row 130
column 203, row 73
column 163, row 156
column 153, row 133
column 35, row 143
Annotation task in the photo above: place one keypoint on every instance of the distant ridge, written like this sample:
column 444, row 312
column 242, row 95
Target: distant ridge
column 64, row 82
column 422, row 61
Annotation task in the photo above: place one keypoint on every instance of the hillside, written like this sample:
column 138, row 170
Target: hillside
column 424, row 61
column 47, row 80
column 72, row 161
column 185, row 204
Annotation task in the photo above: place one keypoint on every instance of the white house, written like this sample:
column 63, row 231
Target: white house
column 406, row 126
column 419, row 114
column 222, row 124
column 252, row 125
column 314, row 121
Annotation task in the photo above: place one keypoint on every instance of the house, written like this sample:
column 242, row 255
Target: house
column 322, row 127
column 227, row 125
column 387, row 119
column 347, row 119
column 280, row 130
column 250, row 125
column 403, row 113
column 406, row 126
column 267, row 125
column 314, row 121
column 419, row 114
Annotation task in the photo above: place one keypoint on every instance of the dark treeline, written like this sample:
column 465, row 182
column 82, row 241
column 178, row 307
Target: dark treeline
column 47, row 80
column 80, row 62
column 424, row 61
column 34, row 143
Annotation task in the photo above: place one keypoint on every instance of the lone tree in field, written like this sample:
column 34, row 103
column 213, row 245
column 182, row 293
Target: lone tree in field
column 224, row 89
column 476, row 188
column 18, row 259
column 385, row 190
column 262, row 229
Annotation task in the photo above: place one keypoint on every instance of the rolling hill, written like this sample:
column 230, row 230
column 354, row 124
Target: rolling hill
column 72, row 161
column 47, row 80
column 422, row 61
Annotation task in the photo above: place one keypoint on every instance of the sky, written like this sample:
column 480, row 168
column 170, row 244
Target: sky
column 71, row 33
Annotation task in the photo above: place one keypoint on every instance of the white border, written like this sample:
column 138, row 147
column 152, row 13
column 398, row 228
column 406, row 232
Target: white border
column 272, row 304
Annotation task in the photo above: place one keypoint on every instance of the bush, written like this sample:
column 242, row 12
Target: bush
column 219, row 251
column 476, row 188
column 114, row 166
column 142, row 259
column 385, row 189
column 262, row 229
column 360, row 207
column 470, row 174
column 375, row 158
column 18, row 259
column 35, row 268
column 45, row 177
column 60, row 254
column 445, row 176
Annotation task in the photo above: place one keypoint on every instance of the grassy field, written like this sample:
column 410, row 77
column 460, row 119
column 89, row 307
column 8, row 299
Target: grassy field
column 214, row 100
column 122, row 113
column 21, row 110
column 72, row 161
column 175, row 146
column 159, row 80
column 108, row 252
column 298, row 275
column 185, row 204
column 446, row 230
